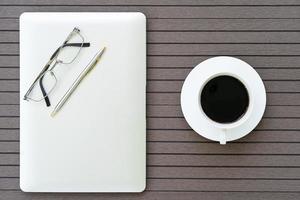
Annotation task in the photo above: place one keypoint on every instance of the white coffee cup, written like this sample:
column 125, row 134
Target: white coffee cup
column 203, row 73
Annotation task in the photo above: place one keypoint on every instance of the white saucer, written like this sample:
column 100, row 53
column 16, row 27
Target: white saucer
column 190, row 98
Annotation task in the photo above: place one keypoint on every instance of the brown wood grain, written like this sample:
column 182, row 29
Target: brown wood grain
column 156, row 172
column 230, row 24
column 154, row 2
column 191, row 61
column 199, row 185
column 198, row 160
column 291, row 99
column 189, row 195
column 167, row 11
column 198, row 37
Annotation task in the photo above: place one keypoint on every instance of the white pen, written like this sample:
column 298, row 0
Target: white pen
column 78, row 80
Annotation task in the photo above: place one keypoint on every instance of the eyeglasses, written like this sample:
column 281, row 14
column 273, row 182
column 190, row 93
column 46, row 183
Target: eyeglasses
column 47, row 80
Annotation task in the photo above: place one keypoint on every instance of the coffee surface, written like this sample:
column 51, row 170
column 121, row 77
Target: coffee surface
column 224, row 99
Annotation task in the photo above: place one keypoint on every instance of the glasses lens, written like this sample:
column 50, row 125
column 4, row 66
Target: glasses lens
column 48, row 81
column 70, row 50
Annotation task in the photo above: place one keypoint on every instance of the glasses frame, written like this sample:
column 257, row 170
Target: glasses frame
column 49, row 69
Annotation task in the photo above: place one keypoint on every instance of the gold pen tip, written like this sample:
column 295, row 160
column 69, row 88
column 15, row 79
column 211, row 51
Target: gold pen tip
column 53, row 114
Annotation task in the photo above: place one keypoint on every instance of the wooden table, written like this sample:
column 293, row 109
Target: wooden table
column 181, row 164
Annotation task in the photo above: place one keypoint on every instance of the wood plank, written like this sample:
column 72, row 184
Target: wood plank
column 9, row 123
column 200, row 49
column 9, row 73
column 284, row 86
column 192, row 61
column 173, row 85
column 223, row 185
column 174, row 99
column 167, row 11
column 204, row 173
column 9, row 24
column 212, row 49
column 197, row 173
column 200, row 185
column 199, row 37
column 181, row 74
column 152, row 195
column 199, row 24
column 175, row 111
column 191, row 136
column 9, row 85
column 153, row 2
column 223, row 24
column 201, row 160
column 9, row 172
column 9, row 111
column 223, row 160
column 216, row 37
column 9, row 36
column 180, row 123
column 9, row 134
column 200, row 148
column 9, row 61
column 230, row 148
column 9, row 159
column 9, row 98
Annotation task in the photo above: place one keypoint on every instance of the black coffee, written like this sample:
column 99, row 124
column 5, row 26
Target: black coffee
column 224, row 99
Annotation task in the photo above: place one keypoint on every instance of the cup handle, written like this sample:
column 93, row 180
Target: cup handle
column 223, row 137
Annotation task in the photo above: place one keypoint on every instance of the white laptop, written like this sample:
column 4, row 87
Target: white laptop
column 97, row 141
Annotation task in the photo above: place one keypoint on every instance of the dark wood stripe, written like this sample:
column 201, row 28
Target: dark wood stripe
column 192, row 61
column 214, row 25
column 200, row 185
column 201, row 160
column 18, row 195
column 200, row 49
column 223, row 160
column 180, row 123
column 198, row 37
column 154, row 2
column 267, row 136
column 175, row 111
column 167, row 11
column 197, row 173
column 174, row 98
column 191, row 136
column 215, row 49
column 175, row 86
column 180, row 74
column 200, row 148
column 223, row 185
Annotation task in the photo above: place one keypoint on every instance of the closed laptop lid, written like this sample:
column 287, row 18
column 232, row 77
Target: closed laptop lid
column 96, row 143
